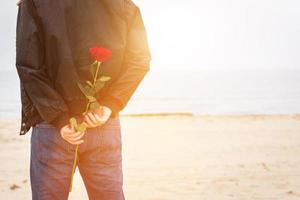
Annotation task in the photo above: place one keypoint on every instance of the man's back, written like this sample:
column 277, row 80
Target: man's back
column 53, row 38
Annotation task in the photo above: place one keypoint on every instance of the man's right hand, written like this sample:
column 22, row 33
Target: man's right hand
column 72, row 136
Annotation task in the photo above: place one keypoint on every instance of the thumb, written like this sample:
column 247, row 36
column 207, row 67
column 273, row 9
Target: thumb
column 107, row 110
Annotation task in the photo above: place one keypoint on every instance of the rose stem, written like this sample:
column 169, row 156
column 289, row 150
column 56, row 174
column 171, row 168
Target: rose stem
column 74, row 165
column 96, row 74
column 75, row 159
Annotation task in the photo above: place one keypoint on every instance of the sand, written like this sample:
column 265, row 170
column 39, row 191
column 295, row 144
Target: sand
column 184, row 158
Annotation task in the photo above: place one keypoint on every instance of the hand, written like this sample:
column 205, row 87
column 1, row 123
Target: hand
column 97, row 117
column 72, row 136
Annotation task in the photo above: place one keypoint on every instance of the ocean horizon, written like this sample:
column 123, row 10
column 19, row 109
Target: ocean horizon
column 193, row 92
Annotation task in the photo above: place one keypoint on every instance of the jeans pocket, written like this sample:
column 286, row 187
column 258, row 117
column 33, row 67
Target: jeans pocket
column 52, row 147
column 110, row 143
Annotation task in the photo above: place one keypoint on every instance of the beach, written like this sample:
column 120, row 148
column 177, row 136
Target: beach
column 210, row 157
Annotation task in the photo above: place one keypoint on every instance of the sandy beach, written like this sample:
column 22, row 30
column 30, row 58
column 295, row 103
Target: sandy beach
column 184, row 158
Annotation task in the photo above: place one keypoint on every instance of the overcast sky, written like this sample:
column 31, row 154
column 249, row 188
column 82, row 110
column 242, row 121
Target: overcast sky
column 204, row 33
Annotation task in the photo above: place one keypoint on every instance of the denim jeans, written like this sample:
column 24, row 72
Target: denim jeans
column 99, row 161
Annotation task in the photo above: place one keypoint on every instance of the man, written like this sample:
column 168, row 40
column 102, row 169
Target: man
column 52, row 42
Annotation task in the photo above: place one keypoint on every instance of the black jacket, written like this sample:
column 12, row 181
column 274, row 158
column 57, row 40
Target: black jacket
column 53, row 38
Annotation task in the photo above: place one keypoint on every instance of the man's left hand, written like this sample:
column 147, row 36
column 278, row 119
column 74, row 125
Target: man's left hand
column 97, row 117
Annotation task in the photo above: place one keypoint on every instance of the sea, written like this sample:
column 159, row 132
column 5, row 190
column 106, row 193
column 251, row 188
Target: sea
column 193, row 92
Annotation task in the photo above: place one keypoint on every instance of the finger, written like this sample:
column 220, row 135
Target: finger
column 92, row 117
column 69, row 131
column 104, row 118
column 99, row 119
column 77, row 142
column 107, row 111
column 74, row 135
column 88, row 121
column 72, row 138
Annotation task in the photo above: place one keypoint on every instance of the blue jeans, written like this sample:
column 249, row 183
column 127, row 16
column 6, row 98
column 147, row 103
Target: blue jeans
column 99, row 161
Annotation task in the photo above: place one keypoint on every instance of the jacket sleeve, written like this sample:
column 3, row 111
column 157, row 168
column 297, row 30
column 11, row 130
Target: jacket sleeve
column 32, row 71
column 136, row 64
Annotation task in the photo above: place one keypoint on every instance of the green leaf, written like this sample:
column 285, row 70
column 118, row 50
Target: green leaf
column 81, row 88
column 95, row 105
column 104, row 78
column 88, row 91
column 99, row 85
column 81, row 127
column 73, row 122
column 91, row 98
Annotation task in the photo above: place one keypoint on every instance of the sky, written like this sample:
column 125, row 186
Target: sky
column 203, row 34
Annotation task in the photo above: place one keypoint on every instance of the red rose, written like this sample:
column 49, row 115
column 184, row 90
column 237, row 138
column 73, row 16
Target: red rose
column 100, row 54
